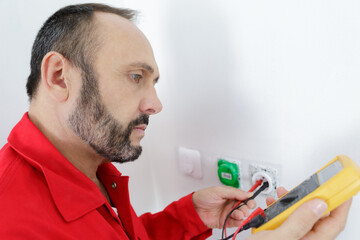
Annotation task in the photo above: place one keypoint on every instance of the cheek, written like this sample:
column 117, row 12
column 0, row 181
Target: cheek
column 73, row 101
column 122, row 104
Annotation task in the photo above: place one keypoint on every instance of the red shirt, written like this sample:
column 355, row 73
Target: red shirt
column 44, row 196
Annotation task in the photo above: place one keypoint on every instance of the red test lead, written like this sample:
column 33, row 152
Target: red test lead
column 257, row 212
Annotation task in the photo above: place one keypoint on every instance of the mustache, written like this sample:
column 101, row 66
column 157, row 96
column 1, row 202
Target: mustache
column 142, row 119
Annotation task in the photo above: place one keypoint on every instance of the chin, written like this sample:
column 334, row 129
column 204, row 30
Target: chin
column 135, row 144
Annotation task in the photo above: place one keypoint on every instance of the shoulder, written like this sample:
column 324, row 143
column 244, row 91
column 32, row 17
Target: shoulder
column 9, row 163
column 24, row 195
column 20, row 183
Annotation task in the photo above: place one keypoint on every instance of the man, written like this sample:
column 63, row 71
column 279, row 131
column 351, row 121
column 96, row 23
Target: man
column 92, row 90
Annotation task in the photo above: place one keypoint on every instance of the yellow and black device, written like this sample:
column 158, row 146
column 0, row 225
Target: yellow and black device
column 336, row 182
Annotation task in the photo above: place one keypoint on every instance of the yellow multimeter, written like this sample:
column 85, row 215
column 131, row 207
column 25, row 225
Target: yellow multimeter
column 336, row 182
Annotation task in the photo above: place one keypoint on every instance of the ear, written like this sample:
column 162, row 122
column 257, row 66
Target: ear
column 54, row 69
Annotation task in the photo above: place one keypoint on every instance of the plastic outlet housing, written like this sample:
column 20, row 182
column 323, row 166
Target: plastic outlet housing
column 267, row 173
column 228, row 173
column 266, row 178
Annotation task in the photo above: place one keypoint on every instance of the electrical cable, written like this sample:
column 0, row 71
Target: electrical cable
column 224, row 226
column 255, row 186
column 257, row 212
column 256, row 193
column 253, row 223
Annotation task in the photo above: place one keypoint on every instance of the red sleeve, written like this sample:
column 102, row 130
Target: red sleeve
column 179, row 220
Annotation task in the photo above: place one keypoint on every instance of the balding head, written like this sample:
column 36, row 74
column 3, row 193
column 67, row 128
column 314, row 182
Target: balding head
column 71, row 31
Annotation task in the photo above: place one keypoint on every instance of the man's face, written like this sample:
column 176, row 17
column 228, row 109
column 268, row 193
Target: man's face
column 118, row 94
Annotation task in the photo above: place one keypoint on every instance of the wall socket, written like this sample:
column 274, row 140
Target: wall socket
column 268, row 173
column 250, row 172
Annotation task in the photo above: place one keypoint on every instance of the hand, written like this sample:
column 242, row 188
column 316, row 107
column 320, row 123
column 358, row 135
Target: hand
column 307, row 222
column 215, row 203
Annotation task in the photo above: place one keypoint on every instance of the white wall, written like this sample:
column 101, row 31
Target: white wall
column 273, row 81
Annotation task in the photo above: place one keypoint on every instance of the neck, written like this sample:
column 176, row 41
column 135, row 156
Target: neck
column 76, row 151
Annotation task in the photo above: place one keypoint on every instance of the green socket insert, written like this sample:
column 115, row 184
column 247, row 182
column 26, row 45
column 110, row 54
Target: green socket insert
column 228, row 173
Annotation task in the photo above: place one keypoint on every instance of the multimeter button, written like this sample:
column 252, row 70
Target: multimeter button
column 288, row 199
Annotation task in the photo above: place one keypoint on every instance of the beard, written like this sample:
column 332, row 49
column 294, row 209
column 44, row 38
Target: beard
column 94, row 124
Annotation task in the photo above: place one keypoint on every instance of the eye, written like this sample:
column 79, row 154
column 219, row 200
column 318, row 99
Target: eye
column 136, row 77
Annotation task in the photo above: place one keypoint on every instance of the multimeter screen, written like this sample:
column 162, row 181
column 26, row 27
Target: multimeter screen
column 302, row 190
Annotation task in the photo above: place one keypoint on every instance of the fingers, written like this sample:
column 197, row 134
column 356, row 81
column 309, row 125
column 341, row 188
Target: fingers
column 341, row 212
column 233, row 193
column 280, row 192
column 302, row 220
column 269, row 200
column 240, row 214
column 234, row 222
column 237, row 217
column 329, row 227
column 251, row 204
column 337, row 219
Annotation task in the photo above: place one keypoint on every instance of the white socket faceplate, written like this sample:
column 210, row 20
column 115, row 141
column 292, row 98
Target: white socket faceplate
column 190, row 162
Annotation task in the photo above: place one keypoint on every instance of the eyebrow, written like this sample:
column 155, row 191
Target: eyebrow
column 147, row 67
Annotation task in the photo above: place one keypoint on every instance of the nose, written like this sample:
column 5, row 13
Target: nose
column 151, row 103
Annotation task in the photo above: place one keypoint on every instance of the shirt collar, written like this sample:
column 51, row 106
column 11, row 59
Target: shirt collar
column 72, row 191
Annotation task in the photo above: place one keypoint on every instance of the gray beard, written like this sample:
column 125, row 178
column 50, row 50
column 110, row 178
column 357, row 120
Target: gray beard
column 95, row 125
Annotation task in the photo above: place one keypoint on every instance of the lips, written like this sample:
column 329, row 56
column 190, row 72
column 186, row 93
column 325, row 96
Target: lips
column 141, row 127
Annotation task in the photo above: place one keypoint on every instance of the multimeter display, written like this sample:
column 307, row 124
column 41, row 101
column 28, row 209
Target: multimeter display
column 302, row 190
column 336, row 182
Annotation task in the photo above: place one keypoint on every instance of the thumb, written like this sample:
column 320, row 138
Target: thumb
column 302, row 220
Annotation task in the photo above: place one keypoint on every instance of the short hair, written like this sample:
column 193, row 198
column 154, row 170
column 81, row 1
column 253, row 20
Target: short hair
column 69, row 31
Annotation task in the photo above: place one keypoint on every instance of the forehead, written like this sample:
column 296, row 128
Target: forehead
column 121, row 42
